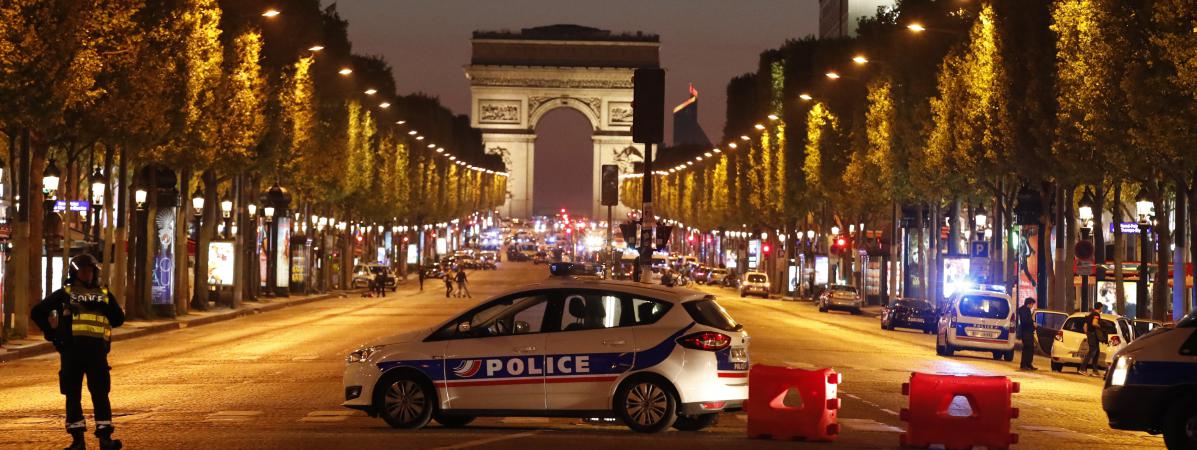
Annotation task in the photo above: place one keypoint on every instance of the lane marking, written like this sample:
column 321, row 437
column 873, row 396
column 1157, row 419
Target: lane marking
column 484, row 441
column 869, row 425
column 889, row 412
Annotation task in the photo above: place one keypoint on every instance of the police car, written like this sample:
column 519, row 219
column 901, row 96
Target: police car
column 651, row 356
column 1153, row 385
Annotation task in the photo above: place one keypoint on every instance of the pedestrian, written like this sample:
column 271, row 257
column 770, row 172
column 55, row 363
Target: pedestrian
column 463, row 289
column 78, row 319
column 380, row 282
column 448, row 283
column 1094, row 337
column 1026, row 333
column 421, row 271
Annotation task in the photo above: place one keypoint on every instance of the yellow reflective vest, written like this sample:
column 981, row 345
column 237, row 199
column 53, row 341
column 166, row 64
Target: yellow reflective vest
column 86, row 320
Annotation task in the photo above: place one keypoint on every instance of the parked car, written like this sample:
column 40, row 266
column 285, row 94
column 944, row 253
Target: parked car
column 433, row 272
column 540, row 258
column 1144, row 326
column 1072, row 344
column 715, row 276
column 363, row 276
column 976, row 320
column 841, row 297
column 755, row 283
column 1049, row 322
column 913, row 313
column 488, row 260
column 699, row 274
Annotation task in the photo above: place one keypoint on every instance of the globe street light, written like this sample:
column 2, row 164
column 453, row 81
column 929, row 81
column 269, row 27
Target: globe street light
column 197, row 203
column 50, row 179
column 97, row 200
column 139, row 197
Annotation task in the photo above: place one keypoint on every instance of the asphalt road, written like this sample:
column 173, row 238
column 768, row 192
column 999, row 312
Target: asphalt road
column 274, row 381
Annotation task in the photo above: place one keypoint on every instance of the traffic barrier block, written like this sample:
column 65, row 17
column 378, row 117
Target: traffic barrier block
column 814, row 420
column 958, row 411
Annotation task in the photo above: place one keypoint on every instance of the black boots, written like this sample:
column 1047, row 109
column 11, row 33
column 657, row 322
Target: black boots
column 77, row 442
column 107, row 443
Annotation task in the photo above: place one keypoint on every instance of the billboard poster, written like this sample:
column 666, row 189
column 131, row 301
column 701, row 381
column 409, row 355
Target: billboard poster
column 220, row 263
column 873, row 277
column 442, row 246
column 163, row 281
column 1106, row 295
column 955, row 274
column 413, row 256
column 822, row 270
column 299, row 263
column 729, row 259
column 1028, row 267
column 794, row 279
column 262, row 240
column 282, row 269
column 754, row 250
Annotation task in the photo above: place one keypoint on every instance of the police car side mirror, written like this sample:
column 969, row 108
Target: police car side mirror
column 463, row 327
column 521, row 327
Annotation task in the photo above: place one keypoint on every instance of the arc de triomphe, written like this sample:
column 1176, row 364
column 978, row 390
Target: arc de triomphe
column 516, row 78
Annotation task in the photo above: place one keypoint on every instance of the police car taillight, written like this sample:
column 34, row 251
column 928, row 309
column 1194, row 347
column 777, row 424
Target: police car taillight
column 706, row 340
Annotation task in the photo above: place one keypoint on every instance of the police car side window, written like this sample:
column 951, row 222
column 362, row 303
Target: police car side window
column 590, row 311
column 647, row 311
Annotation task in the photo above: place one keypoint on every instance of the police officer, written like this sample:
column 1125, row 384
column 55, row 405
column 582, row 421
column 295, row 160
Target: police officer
column 79, row 319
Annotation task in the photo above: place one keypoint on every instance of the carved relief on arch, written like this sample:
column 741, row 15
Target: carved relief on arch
column 591, row 107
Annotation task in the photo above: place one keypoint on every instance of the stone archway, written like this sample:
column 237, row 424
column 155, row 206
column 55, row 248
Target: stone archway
column 517, row 78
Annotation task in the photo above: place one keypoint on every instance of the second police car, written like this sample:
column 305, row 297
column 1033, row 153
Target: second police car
column 1153, row 385
column 651, row 356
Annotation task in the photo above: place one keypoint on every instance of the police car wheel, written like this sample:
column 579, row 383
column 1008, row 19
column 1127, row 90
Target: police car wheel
column 997, row 356
column 695, row 422
column 1180, row 424
column 646, row 405
column 452, row 420
column 406, row 402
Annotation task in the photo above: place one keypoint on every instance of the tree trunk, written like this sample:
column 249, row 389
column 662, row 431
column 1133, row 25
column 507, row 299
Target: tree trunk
column 1119, row 251
column 1178, row 257
column 1099, row 232
column 1159, row 291
column 239, row 241
column 1192, row 194
column 36, row 154
column 183, row 292
column 1068, row 280
column 120, row 238
column 204, row 235
column 934, row 286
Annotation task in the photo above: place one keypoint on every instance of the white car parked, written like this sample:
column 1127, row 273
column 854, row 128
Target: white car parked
column 1072, row 345
column 755, row 283
column 649, row 355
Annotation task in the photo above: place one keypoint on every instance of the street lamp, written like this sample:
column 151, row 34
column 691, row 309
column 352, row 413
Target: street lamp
column 1144, row 209
column 805, row 97
column 50, row 179
column 268, row 211
column 97, row 187
column 271, row 13
column 832, row 75
column 226, row 207
column 197, row 203
column 981, row 218
column 345, row 71
column 916, row 27
column 1085, row 211
column 860, row 60
column 139, row 197
column 252, row 209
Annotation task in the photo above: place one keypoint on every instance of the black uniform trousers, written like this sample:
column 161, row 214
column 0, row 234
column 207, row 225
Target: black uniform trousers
column 90, row 362
column 1028, row 349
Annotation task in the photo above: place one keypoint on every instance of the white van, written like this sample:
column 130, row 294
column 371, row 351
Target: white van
column 977, row 320
column 1153, row 384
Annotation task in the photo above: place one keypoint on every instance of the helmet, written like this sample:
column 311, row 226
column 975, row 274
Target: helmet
column 80, row 262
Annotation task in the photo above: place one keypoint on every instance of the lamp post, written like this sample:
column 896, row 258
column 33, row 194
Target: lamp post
column 98, row 185
column 1144, row 209
column 197, row 206
column 1084, row 248
column 276, row 200
column 226, row 213
column 50, row 231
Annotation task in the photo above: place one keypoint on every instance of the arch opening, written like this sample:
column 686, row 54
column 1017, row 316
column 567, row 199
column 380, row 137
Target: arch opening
column 563, row 171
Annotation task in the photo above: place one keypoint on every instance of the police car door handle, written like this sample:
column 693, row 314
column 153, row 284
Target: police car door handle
column 527, row 349
column 615, row 343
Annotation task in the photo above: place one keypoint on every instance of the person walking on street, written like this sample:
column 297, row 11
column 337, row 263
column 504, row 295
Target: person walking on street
column 79, row 319
column 1094, row 337
column 463, row 289
column 448, row 283
column 1026, row 333
column 380, row 282
column 421, row 271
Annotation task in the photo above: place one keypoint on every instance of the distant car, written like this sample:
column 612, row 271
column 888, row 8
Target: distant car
column 715, row 276
column 909, row 313
column 699, row 274
column 1072, row 344
column 841, row 297
column 755, row 283
column 363, row 275
column 540, row 258
column 466, row 262
column 433, row 273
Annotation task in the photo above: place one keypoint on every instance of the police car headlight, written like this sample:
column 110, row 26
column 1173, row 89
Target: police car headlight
column 1121, row 369
column 361, row 354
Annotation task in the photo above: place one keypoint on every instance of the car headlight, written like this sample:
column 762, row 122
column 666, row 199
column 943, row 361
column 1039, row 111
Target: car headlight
column 1121, row 369
column 361, row 354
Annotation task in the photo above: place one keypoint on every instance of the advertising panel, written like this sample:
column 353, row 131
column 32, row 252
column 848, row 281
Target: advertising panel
column 442, row 246
column 873, row 277
column 822, row 270
column 413, row 256
column 282, row 269
column 220, row 263
column 729, row 259
column 299, row 262
column 1028, row 268
column 1106, row 295
column 754, row 250
column 262, row 240
column 163, row 281
column 955, row 274
column 794, row 279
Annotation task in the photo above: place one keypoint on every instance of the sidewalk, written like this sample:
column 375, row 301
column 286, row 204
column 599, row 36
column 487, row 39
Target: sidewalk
column 35, row 345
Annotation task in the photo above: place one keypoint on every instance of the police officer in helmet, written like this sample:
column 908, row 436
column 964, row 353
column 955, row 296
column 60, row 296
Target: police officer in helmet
column 79, row 319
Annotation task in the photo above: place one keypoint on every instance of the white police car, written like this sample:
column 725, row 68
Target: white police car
column 649, row 355
column 1153, row 385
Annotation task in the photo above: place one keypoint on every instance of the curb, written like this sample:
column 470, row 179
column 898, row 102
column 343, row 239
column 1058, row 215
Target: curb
column 46, row 347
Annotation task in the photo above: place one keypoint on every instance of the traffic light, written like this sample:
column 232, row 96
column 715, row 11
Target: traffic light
column 648, row 105
column 690, row 238
column 765, row 248
column 628, row 230
column 610, row 194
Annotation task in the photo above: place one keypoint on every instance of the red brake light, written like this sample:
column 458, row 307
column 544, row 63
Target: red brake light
column 705, row 340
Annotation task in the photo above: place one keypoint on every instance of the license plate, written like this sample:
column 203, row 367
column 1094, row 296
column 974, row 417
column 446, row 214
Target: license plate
column 739, row 354
column 916, row 320
column 982, row 333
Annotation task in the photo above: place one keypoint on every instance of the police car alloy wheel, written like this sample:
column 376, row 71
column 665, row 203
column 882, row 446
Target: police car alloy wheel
column 406, row 402
column 645, row 405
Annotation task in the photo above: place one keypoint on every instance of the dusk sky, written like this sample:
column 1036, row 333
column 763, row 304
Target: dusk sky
column 706, row 42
